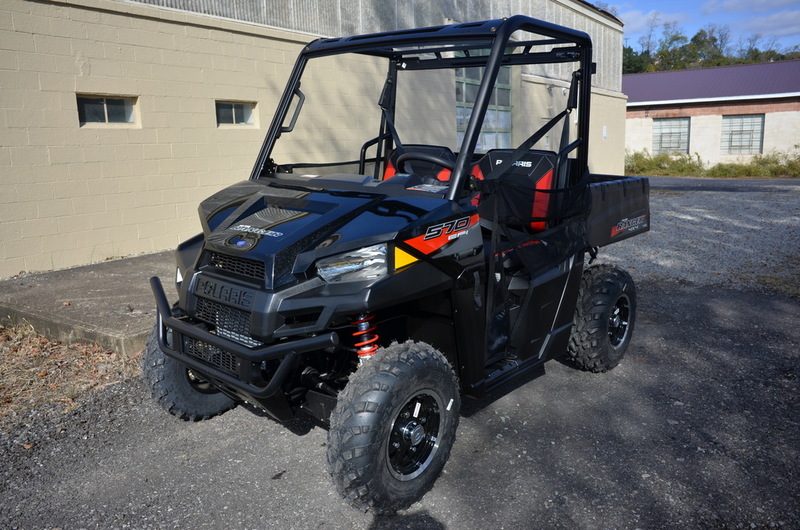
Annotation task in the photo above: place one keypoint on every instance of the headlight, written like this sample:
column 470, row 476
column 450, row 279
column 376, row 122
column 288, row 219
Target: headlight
column 178, row 276
column 367, row 263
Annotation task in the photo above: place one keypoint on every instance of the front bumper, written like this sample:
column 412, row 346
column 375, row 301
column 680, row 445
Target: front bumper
column 244, row 378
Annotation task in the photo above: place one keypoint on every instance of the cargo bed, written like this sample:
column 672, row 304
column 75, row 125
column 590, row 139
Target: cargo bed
column 620, row 209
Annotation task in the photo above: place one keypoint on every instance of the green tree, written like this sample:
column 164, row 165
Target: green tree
column 635, row 63
column 708, row 47
column 673, row 54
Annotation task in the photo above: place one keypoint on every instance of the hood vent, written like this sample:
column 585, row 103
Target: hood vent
column 248, row 268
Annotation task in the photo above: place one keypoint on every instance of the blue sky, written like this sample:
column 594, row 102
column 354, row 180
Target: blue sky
column 772, row 19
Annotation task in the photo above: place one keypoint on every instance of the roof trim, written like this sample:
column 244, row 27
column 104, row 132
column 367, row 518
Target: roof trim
column 712, row 100
column 602, row 11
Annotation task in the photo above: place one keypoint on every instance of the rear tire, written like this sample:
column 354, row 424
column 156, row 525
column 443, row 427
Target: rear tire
column 177, row 389
column 393, row 427
column 604, row 318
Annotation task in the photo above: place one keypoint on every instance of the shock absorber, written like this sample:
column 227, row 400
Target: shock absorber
column 366, row 339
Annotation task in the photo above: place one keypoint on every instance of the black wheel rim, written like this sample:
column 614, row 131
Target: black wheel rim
column 414, row 438
column 619, row 321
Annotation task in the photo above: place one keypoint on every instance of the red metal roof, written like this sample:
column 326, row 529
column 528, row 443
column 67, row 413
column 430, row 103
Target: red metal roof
column 726, row 82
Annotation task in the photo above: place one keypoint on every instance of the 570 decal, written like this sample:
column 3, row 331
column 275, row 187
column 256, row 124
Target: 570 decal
column 440, row 235
column 447, row 228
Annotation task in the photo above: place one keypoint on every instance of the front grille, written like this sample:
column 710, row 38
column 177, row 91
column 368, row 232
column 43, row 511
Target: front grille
column 241, row 266
column 222, row 316
column 246, row 340
column 210, row 354
column 230, row 323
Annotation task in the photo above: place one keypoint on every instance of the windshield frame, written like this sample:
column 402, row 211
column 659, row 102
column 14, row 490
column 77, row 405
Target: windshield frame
column 432, row 48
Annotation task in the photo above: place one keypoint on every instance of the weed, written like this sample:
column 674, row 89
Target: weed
column 772, row 164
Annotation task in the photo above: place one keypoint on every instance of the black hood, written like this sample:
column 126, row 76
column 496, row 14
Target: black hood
column 275, row 223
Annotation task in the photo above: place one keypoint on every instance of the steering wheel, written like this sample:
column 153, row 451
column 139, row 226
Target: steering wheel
column 425, row 157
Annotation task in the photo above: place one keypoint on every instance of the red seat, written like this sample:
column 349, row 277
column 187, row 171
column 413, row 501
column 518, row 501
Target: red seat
column 422, row 168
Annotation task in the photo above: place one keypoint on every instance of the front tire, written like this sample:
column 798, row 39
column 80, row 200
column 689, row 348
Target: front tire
column 393, row 427
column 177, row 389
column 604, row 318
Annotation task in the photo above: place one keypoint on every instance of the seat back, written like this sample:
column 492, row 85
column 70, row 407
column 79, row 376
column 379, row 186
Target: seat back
column 528, row 184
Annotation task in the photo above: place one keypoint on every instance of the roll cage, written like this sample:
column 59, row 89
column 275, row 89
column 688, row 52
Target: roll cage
column 489, row 45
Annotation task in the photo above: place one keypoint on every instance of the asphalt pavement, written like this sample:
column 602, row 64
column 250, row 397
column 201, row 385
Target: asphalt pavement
column 699, row 426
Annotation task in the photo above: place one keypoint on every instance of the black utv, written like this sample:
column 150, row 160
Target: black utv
column 418, row 227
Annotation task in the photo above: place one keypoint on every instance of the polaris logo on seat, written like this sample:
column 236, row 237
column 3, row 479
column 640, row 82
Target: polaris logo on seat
column 518, row 163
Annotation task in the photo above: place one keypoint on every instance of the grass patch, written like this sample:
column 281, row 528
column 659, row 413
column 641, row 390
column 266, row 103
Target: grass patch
column 772, row 165
column 786, row 280
column 778, row 283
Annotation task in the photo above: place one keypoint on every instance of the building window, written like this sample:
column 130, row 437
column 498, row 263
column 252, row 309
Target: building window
column 670, row 135
column 230, row 113
column 105, row 109
column 496, row 131
column 743, row 134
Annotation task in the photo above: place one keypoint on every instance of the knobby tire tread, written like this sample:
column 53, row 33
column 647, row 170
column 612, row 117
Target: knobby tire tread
column 589, row 348
column 361, row 420
column 162, row 374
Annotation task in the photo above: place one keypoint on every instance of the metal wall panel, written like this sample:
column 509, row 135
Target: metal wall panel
column 333, row 18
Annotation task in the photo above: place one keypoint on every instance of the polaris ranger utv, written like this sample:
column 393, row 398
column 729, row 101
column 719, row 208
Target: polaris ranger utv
column 400, row 244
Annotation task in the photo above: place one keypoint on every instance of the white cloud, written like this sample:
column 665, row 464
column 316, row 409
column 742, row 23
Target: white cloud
column 749, row 6
column 782, row 24
column 636, row 20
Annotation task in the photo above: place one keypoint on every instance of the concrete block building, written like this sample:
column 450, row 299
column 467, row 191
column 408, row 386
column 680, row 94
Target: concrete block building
column 725, row 114
column 118, row 117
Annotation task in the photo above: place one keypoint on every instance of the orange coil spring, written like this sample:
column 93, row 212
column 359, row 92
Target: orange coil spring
column 364, row 333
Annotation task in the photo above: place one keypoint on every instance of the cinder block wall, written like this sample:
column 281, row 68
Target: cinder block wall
column 73, row 195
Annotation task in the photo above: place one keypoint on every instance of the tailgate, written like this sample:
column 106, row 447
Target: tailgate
column 620, row 209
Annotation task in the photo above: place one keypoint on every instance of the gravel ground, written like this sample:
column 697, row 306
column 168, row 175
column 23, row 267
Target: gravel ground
column 743, row 237
column 699, row 427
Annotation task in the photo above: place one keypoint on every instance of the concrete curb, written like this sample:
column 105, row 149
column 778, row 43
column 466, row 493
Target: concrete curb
column 107, row 303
